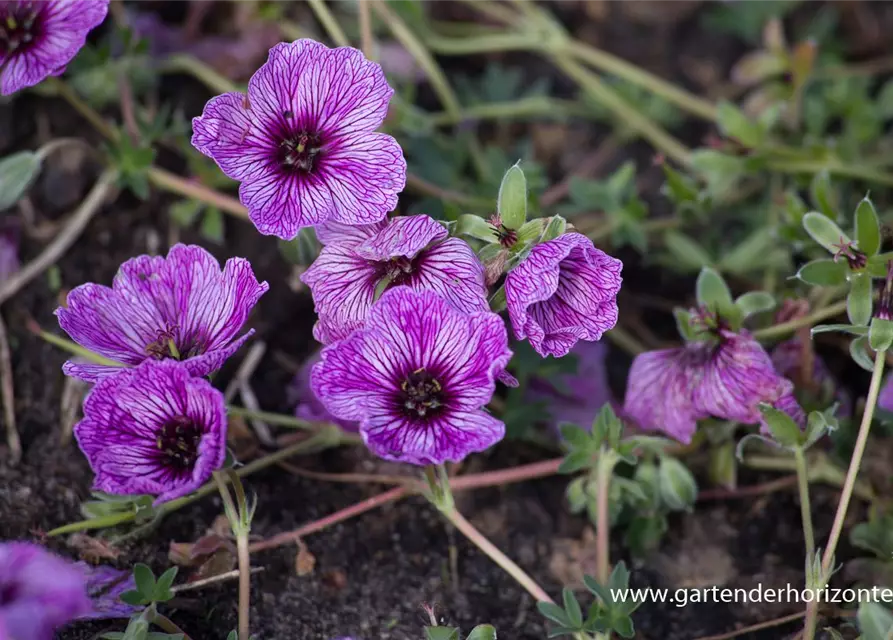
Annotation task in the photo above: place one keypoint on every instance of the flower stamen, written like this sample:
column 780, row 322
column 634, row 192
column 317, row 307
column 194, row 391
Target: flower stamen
column 178, row 440
column 422, row 394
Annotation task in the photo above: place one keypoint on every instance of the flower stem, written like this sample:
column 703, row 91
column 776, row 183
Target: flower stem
column 279, row 419
column 89, row 114
column 168, row 625
column 244, row 585
column 790, row 326
column 805, row 511
column 849, row 484
column 329, row 22
column 603, row 532
column 367, row 41
column 191, row 189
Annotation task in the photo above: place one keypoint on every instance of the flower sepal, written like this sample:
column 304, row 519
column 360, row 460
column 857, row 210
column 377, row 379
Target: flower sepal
column 474, row 226
column 880, row 334
column 511, row 204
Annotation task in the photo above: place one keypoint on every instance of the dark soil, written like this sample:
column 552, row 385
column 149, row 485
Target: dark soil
column 372, row 573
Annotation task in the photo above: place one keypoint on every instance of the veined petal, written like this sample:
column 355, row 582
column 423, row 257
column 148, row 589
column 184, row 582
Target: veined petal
column 404, row 236
column 451, row 269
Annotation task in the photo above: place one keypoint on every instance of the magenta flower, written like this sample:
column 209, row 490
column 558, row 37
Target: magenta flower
column 39, row 592
column 104, row 586
column 564, row 291
column 181, row 307
column 153, row 430
column 308, row 406
column 39, row 38
column 302, row 141
column 670, row 390
column 417, row 377
column 413, row 251
column 576, row 398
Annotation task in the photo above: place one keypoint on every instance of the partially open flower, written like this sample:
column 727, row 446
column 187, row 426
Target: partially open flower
column 413, row 251
column 564, row 291
column 670, row 390
column 39, row 592
column 153, row 430
column 417, row 377
column 302, row 141
column 181, row 307
column 38, row 39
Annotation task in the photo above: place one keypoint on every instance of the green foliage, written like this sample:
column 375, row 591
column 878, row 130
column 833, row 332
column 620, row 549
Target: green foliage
column 148, row 589
column 480, row 632
column 17, row 172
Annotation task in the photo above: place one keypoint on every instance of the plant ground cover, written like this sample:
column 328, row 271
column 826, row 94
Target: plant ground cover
column 765, row 111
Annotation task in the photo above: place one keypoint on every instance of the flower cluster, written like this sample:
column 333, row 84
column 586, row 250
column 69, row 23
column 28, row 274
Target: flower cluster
column 152, row 425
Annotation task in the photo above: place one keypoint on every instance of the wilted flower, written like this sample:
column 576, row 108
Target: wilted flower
column 671, row 389
column 564, row 291
column 181, row 307
column 38, row 39
column 416, row 377
column 576, row 397
column 413, row 251
column 787, row 358
column 308, row 406
column 153, row 430
column 302, row 141
column 39, row 592
column 104, row 586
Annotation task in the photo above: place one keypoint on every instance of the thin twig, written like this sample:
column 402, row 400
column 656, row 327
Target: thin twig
column 222, row 577
column 7, row 398
column 62, row 242
column 746, row 492
column 329, row 23
column 777, row 622
column 366, row 38
column 190, row 189
column 241, row 384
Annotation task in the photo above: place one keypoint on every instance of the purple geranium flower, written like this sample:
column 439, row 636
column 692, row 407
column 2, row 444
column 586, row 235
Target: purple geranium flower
column 576, row 398
column 104, row 586
column 308, row 407
column 181, row 307
column 39, row 592
column 564, row 291
column 302, row 141
column 153, row 430
column 671, row 389
column 416, row 377
column 413, row 251
column 39, row 38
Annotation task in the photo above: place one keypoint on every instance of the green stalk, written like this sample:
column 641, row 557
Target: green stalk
column 329, row 22
column 805, row 511
column 778, row 330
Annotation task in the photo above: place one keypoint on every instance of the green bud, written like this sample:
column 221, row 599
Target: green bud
column 782, row 427
column 512, row 202
column 880, row 334
column 678, row 489
column 556, row 227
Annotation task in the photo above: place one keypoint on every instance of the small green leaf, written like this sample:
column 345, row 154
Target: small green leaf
column 474, row 226
column 818, row 423
column 824, row 231
column 880, row 334
column 619, row 578
column 577, row 437
column 575, row 461
column 754, row 302
column 868, row 232
column 482, row 632
column 859, row 302
column 686, row 251
column 497, row 300
column 751, row 437
column 734, row 124
column 877, row 264
column 572, row 608
column 781, row 426
column 712, row 291
column 678, row 489
column 145, row 580
column 163, row 585
column 441, row 633
column 554, row 613
column 623, row 627
column 823, row 197
column 857, row 330
column 722, row 465
column 859, row 353
column 134, row 598
column 875, row 621
column 597, row 589
column 530, row 231
column 512, row 201
column 17, row 172
column 683, row 323
column 555, row 227
column 823, row 273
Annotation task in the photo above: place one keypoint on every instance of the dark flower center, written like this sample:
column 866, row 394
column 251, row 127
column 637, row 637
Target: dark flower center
column 299, row 152
column 421, row 394
column 856, row 260
column 178, row 441
column 20, row 26
column 8, row 593
column 398, row 271
column 168, row 345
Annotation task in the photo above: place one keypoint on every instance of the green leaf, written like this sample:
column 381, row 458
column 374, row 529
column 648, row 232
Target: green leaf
column 619, row 578
column 678, row 489
column 858, row 330
column 868, row 232
column 572, row 608
column 577, row 437
column 531, row 230
column 859, row 302
column 441, row 633
column 686, row 251
column 734, row 124
column 145, row 580
column 575, row 461
column 875, row 621
column 17, row 172
column 754, row 302
column 712, row 291
column 823, row 197
column 751, row 437
column 880, row 334
column 859, row 353
column 137, row 629
column 554, row 613
column 823, row 273
column 818, row 423
column 184, row 212
column 134, row 598
column 597, row 589
column 482, row 632
column 163, row 585
column 555, row 227
column 474, row 226
column 683, row 323
column 877, row 264
column 781, row 426
column 512, row 201
column 824, row 231
column 212, row 225
column 722, row 465
column 623, row 627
